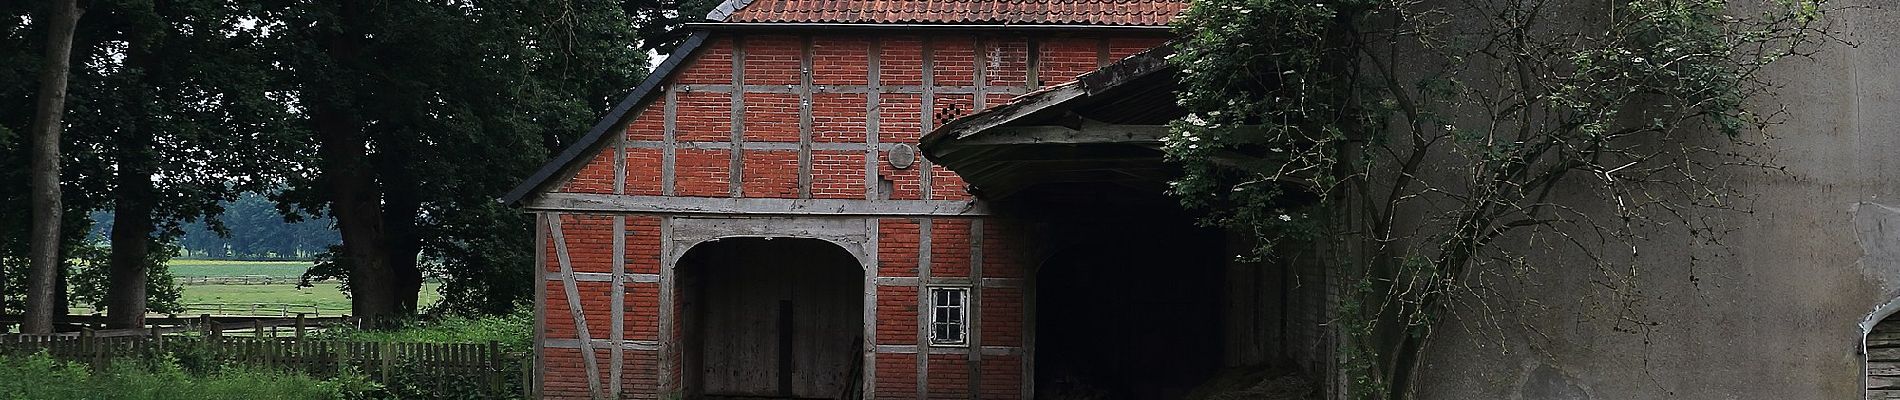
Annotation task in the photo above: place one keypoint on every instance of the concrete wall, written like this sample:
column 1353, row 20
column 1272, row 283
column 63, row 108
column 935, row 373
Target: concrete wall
column 1777, row 314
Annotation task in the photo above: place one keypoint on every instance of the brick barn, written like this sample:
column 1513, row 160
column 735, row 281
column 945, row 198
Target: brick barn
column 898, row 199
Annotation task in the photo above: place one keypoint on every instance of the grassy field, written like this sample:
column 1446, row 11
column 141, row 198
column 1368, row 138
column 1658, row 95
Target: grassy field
column 285, row 269
column 324, row 296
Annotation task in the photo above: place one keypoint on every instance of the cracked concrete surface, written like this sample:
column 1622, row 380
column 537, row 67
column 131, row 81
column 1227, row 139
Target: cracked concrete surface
column 1776, row 312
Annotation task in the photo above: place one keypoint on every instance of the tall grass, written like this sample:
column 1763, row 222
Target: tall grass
column 515, row 331
column 42, row 377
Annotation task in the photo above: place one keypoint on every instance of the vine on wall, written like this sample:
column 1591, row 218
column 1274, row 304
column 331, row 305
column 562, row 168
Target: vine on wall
column 1411, row 136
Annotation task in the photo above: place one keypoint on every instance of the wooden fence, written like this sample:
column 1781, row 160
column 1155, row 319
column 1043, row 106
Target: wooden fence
column 295, row 325
column 260, row 309
column 238, row 280
column 473, row 363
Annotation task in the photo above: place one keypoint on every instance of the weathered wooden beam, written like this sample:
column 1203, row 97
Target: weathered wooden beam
column 736, row 171
column 603, row 277
column 572, row 291
column 871, row 267
column 754, row 206
column 993, row 351
column 872, row 120
column 1002, row 114
column 619, row 303
column 1091, row 132
column 637, row 345
column 950, row 281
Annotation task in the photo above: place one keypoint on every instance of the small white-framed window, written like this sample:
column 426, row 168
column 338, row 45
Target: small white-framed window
column 948, row 315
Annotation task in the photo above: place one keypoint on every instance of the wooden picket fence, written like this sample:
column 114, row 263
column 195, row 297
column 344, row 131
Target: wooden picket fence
column 477, row 363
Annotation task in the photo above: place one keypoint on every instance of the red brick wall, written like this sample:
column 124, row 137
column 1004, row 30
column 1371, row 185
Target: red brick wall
column 841, row 66
column 771, row 161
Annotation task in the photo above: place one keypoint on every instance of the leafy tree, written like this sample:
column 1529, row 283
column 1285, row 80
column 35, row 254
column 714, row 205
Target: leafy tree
column 171, row 114
column 422, row 114
column 182, row 115
column 1409, row 138
column 250, row 228
column 21, row 52
column 660, row 22
column 44, row 239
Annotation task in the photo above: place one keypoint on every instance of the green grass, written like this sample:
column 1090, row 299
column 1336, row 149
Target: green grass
column 286, row 269
column 325, row 296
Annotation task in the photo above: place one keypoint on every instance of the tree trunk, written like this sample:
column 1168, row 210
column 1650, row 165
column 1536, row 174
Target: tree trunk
column 351, row 178
column 44, row 255
column 401, row 207
column 131, row 238
column 356, row 205
column 133, row 194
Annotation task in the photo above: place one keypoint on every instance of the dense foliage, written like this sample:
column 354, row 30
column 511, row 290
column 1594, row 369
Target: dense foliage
column 41, row 377
column 423, row 114
column 250, row 228
column 391, row 124
column 1407, row 138
column 514, row 332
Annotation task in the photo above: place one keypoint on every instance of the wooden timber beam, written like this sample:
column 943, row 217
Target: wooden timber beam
column 753, row 206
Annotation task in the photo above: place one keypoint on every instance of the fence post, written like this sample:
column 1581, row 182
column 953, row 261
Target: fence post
column 88, row 348
column 387, row 351
column 300, row 326
column 529, row 385
column 493, row 371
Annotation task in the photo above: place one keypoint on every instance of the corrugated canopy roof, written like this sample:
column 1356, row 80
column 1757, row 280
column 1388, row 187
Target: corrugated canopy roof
column 999, row 12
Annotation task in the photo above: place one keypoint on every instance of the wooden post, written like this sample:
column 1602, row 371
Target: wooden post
column 300, row 326
column 89, row 348
column 527, row 378
column 388, row 354
column 493, row 370
column 257, row 328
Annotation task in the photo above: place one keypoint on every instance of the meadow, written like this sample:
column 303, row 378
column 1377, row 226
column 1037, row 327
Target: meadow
column 324, row 297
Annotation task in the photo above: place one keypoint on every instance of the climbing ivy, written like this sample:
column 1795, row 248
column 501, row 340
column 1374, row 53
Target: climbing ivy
column 1411, row 136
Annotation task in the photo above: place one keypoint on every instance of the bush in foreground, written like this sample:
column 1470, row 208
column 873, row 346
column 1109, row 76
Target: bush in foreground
column 42, row 377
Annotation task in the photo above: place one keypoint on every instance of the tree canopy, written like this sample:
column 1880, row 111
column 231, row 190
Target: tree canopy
column 392, row 125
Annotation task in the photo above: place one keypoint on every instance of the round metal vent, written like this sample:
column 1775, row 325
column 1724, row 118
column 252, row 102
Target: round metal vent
column 902, row 156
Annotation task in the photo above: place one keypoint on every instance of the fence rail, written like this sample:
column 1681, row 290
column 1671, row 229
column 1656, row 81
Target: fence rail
column 238, row 280
column 476, row 363
column 258, row 309
column 76, row 325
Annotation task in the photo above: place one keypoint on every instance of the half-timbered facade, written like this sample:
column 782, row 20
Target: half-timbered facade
column 756, row 220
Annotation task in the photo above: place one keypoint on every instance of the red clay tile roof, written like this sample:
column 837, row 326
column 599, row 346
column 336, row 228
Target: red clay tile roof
column 1044, row 12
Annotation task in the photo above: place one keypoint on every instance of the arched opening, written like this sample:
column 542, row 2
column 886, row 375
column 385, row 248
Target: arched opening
column 770, row 318
column 1882, row 350
column 1130, row 311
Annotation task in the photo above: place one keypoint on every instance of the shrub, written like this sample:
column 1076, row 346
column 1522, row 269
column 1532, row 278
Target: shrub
column 42, row 377
column 515, row 331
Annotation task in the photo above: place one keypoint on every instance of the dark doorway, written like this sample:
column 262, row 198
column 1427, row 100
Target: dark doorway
column 1130, row 310
column 777, row 318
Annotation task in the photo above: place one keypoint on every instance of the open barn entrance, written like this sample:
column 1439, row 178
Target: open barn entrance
column 1134, row 301
column 1130, row 311
column 772, row 318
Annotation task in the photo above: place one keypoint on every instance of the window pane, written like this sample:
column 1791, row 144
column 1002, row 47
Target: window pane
column 946, row 315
